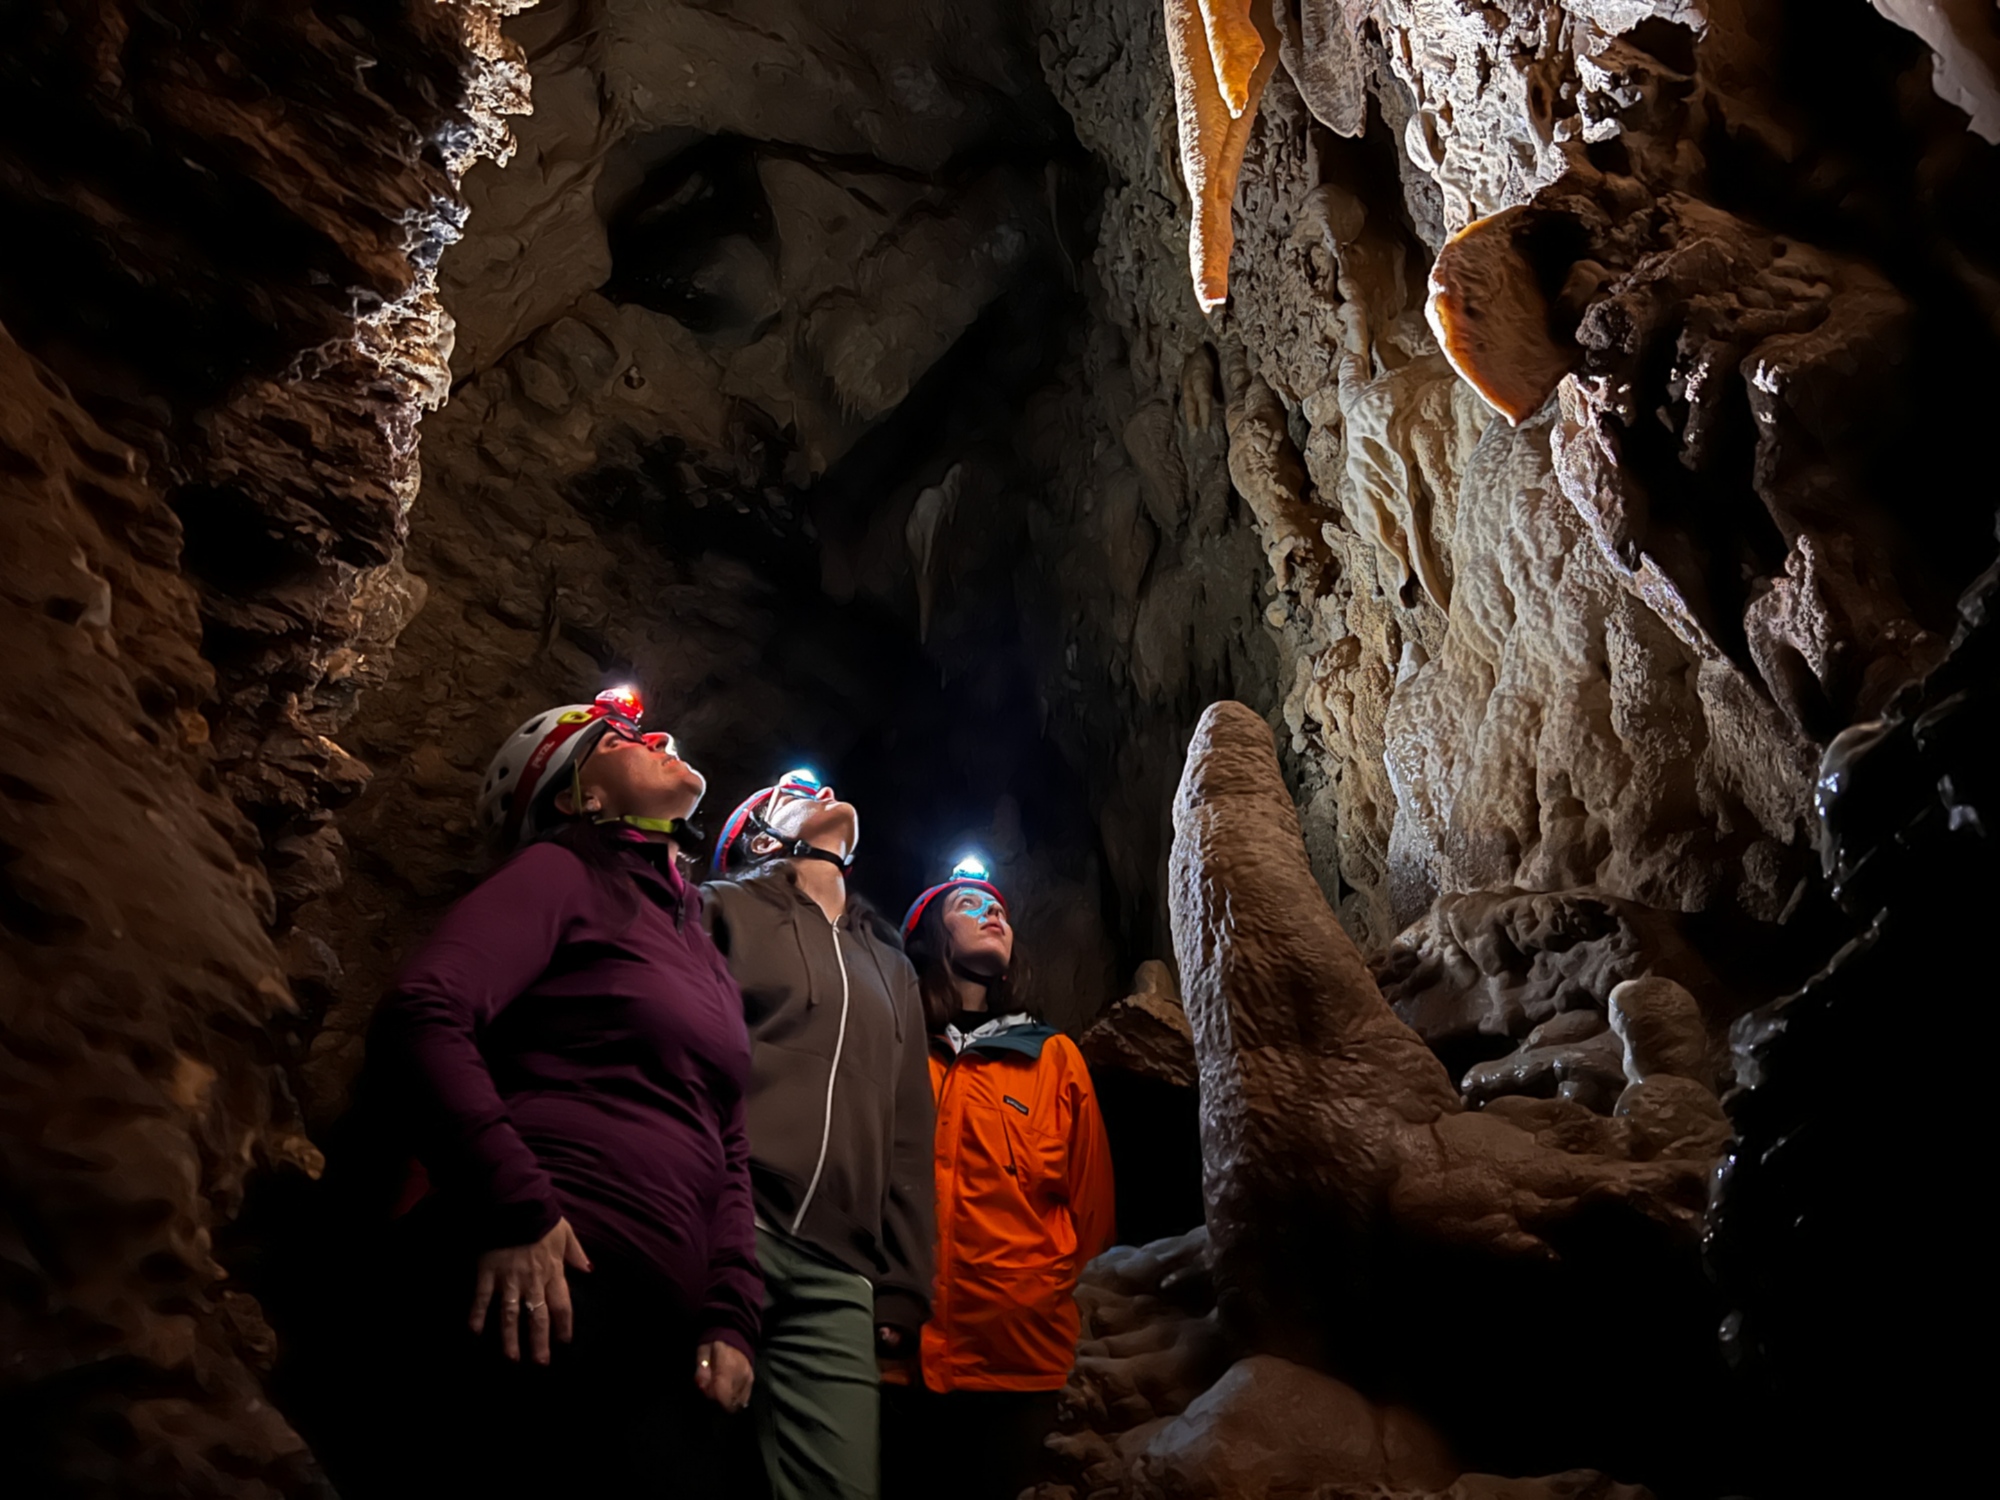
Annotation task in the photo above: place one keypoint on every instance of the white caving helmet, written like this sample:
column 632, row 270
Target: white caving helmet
column 539, row 755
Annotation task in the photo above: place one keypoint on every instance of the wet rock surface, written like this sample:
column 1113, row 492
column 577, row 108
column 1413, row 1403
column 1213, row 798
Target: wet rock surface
column 1906, row 808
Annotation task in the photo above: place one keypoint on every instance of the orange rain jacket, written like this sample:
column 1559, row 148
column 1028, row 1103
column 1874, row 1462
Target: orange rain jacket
column 1024, row 1200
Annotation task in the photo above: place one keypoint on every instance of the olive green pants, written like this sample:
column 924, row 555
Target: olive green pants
column 817, row 1401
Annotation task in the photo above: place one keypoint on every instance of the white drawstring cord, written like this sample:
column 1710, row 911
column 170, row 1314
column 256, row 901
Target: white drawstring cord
column 839, row 1042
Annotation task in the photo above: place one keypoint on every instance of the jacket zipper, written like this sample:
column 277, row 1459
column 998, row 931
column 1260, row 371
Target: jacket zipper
column 832, row 1073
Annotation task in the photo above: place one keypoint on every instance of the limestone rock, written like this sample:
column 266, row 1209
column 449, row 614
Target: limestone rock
column 1270, row 1428
column 1487, row 969
column 1661, row 1027
column 221, row 330
column 1805, row 332
column 1906, row 809
column 1966, row 42
column 1324, row 1118
column 1163, row 1404
column 139, row 992
column 1573, row 1056
column 1147, row 1032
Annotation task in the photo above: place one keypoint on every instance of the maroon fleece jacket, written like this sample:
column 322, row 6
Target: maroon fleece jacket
column 565, row 1053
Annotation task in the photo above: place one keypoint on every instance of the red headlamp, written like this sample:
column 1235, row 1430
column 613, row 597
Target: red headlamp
column 624, row 701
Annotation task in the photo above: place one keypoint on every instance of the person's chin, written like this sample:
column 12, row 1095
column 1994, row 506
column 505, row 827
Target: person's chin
column 836, row 822
column 684, row 780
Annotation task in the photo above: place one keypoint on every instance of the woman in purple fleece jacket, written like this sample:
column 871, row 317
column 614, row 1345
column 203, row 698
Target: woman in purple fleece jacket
column 569, row 1059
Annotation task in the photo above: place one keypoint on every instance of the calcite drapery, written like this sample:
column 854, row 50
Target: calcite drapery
column 1235, row 47
column 1214, row 128
column 1321, row 52
column 1492, row 320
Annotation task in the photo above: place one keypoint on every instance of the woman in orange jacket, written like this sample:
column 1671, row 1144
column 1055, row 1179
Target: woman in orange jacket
column 1024, row 1200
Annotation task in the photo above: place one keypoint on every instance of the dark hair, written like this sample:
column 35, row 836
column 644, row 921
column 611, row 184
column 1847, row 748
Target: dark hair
column 1005, row 996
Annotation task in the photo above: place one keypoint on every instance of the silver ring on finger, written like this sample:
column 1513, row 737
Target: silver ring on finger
column 534, row 1307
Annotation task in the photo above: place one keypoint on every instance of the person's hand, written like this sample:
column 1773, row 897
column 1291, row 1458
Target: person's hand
column 888, row 1339
column 528, row 1281
column 722, row 1374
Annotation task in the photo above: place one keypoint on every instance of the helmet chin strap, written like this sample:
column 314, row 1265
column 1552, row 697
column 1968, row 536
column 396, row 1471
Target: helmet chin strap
column 673, row 828
column 791, row 848
column 679, row 829
column 959, row 971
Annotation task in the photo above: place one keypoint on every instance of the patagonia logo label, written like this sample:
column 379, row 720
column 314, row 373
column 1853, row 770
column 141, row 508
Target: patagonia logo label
column 1015, row 1102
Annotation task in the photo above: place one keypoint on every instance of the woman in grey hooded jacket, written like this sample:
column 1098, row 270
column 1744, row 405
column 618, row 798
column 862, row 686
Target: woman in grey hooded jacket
column 840, row 1120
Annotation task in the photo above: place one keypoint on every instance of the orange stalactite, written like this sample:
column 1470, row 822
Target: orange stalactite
column 1213, row 137
column 1235, row 48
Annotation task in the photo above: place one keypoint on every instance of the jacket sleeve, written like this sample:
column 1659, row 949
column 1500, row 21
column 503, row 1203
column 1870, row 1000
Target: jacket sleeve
column 733, row 1310
column 909, row 1225
column 1092, row 1193
column 489, row 948
column 715, row 897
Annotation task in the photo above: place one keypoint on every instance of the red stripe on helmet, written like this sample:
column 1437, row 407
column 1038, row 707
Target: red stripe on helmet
column 531, row 775
column 733, row 829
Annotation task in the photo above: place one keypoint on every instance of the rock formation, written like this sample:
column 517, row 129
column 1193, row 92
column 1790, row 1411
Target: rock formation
column 1326, row 1122
column 1145, row 1033
column 1163, row 1405
column 221, row 328
column 1906, row 805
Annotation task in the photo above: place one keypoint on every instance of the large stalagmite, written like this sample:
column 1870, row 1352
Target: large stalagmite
column 1328, row 1126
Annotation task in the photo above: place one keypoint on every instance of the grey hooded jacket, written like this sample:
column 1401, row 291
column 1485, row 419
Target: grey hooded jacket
column 840, row 1109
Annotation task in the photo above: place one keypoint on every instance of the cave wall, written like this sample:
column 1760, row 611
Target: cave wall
column 1603, row 645
column 220, row 329
column 1598, row 377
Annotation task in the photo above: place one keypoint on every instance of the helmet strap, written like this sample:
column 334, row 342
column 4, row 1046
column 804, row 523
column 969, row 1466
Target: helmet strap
column 959, row 971
column 791, row 848
column 673, row 828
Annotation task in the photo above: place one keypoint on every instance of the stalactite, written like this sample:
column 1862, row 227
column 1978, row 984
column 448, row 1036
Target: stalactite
column 1214, row 130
